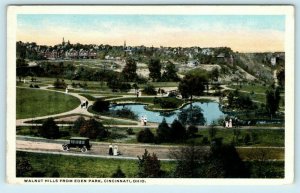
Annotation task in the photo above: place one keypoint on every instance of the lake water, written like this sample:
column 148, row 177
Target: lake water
column 211, row 112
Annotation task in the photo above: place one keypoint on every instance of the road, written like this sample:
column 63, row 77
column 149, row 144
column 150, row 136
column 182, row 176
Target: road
column 100, row 149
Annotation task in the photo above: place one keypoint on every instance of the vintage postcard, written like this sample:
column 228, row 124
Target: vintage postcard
column 150, row 95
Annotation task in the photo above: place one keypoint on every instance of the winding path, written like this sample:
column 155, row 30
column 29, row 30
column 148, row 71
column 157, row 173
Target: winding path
column 77, row 110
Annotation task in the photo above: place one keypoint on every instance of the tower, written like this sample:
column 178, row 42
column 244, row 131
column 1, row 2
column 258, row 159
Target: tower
column 63, row 42
column 124, row 45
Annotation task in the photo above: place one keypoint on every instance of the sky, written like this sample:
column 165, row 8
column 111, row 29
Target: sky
column 243, row 33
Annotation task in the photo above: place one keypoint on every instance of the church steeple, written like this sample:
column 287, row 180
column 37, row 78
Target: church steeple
column 63, row 42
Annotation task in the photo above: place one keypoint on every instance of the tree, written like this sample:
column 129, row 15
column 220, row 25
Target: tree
column 178, row 132
column 272, row 100
column 281, row 77
column 171, row 73
column 149, row 166
column 193, row 84
column 212, row 132
column 163, row 132
column 191, row 116
column 224, row 162
column 118, row 173
column 49, row 129
column 93, row 129
column 154, row 69
column 145, row 136
column 129, row 71
column 214, row 74
column 101, row 105
column 192, row 130
column 60, row 84
column 80, row 121
column 189, row 160
column 149, row 90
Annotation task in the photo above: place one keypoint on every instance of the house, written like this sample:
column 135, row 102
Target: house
column 92, row 54
column 83, row 53
column 192, row 63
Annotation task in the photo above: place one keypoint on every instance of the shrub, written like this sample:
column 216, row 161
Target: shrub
column 145, row 136
column 192, row 130
column 149, row 90
column 100, row 105
column 93, row 129
column 80, row 121
column 36, row 86
column 60, row 84
column 129, row 131
column 49, row 129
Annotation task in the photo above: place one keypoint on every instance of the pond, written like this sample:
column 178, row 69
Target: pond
column 211, row 112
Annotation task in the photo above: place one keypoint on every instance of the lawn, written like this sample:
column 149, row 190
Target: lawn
column 35, row 102
column 83, row 167
column 88, row 167
column 264, row 137
column 249, row 88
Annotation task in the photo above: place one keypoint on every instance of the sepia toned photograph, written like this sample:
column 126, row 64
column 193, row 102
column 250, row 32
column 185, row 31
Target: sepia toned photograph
column 150, row 94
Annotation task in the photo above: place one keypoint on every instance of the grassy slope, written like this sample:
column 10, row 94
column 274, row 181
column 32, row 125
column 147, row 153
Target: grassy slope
column 82, row 167
column 35, row 102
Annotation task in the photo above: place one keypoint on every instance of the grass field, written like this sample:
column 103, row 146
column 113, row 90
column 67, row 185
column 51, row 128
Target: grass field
column 264, row 137
column 35, row 102
column 81, row 167
column 87, row 167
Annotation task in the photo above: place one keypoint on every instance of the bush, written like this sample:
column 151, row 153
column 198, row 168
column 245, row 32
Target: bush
column 93, row 129
column 60, row 84
column 49, row 129
column 36, row 86
column 80, row 121
column 145, row 136
column 101, row 105
column 192, row 130
column 149, row 90
column 129, row 131
column 178, row 132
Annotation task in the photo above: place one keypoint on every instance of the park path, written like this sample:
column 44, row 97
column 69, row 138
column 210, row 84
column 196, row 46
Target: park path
column 77, row 110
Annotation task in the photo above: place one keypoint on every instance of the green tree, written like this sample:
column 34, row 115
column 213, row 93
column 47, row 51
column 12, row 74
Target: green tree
column 214, row 74
column 101, row 105
column 171, row 73
column 49, row 129
column 212, row 132
column 93, row 129
column 118, row 173
column 149, row 166
column 154, row 69
column 191, row 116
column 145, row 136
column 178, row 132
column 129, row 71
column 163, row 132
column 193, row 84
column 149, row 90
column 192, row 130
column 272, row 100
column 281, row 77
column 80, row 121
column 189, row 160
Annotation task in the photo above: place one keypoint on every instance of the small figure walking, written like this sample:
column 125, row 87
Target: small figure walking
column 145, row 121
